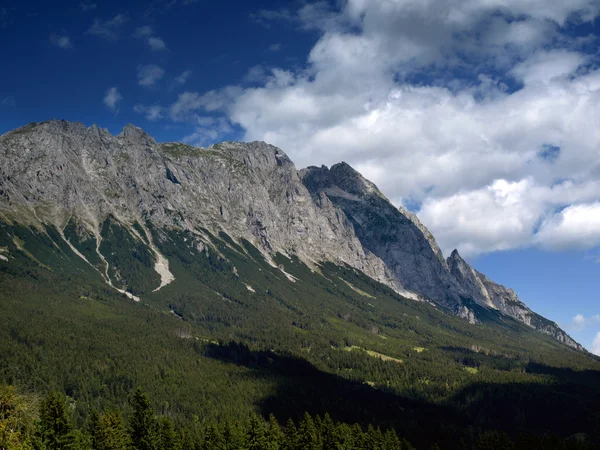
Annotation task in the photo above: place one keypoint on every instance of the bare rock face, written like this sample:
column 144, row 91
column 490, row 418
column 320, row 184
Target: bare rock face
column 495, row 296
column 404, row 247
column 56, row 171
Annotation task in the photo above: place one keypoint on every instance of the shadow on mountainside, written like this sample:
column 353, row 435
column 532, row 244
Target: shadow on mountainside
column 563, row 405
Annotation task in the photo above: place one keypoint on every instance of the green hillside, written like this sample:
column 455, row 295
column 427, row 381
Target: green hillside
column 234, row 335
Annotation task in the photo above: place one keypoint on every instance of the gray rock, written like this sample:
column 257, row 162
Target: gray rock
column 56, row 170
column 492, row 295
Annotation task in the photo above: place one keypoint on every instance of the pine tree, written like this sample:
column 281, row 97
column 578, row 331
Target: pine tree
column 111, row 432
column 345, row 438
column 93, row 429
column 168, row 438
column 308, row 435
column 328, row 432
column 273, row 435
column 373, row 438
column 143, row 425
column 56, row 431
column 290, row 441
column 233, row 437
column 357, row 436
column 16, row 419
column 391, row 441
column 256, row 434
column 213, row 439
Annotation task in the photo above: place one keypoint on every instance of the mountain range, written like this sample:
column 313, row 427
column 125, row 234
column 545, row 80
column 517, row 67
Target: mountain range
column 85, row 185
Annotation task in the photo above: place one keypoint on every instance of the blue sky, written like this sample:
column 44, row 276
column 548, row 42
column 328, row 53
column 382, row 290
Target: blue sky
column 479, row 116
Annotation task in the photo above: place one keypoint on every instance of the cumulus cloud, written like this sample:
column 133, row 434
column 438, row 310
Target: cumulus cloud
column 61, row 41
column 149, row 75
column 112, row 98
column 108, row 29
column 146, row 34
column 482, row 113
column 152, row 113
column 182, row 79
column 579, row 322
column 576, row 226
column 85, row 6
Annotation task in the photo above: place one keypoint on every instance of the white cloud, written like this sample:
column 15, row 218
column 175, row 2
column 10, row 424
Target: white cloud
column 384, row 88
column 579, row 322
column 156, row 43
column 87, row 6
column 274, row 47
column 152, row 113
column 146, row 34
column 577, row 226
column 207, row 130
column 142, row 32
column 149, row 75
column 61, row 41
column 188, row 103
column 108, row 29
column 112, row 98
column 182, row 79
column 596, row 345
column 545, row 66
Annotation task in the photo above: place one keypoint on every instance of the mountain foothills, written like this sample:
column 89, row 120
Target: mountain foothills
column 227, row 283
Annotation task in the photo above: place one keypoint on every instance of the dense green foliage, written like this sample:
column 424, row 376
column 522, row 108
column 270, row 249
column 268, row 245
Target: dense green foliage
column 52, row 428
column 234, row 336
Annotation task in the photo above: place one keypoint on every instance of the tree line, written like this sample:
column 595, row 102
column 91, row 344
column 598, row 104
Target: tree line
column 26, row 423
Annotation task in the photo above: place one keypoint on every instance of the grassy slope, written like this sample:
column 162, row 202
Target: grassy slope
column 65, row 328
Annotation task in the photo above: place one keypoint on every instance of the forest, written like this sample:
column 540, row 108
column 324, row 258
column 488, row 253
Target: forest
column 242, row 353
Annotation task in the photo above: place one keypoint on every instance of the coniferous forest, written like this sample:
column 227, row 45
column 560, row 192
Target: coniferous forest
column 238, row 353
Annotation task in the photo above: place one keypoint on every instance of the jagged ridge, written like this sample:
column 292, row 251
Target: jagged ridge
column 57, row 171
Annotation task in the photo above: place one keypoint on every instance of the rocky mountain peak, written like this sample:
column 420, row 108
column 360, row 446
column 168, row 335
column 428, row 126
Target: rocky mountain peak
column 131, row 133
column 57, row 171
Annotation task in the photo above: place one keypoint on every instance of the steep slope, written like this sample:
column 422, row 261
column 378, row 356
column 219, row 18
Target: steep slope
column 57, row 170
column 394, row 237
column 106, row 196
column 493, row 295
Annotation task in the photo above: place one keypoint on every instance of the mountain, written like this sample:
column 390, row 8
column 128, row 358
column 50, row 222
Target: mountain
column 88, row 184
column 225, row 282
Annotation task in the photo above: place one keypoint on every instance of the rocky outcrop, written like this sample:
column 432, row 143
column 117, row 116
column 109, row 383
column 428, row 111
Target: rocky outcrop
column 389, row 234
column 492, row 295
column 59, row 172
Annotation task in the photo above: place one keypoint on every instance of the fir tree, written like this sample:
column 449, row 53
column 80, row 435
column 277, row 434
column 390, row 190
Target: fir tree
column 169, row 440
column 391, row 441
column 373, row 438
column 308, row 435
column 55, row 426
column 290, row 441
column 273, row 435
column 256, row 434
column 213, row 439
column 143, row 425
column 357, row 436
column 233, row 437
column 111, row 432
column 328, row 432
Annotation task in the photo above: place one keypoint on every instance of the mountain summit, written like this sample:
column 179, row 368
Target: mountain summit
column 85, row 182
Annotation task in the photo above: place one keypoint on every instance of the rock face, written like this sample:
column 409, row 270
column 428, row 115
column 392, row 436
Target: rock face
column 492, row 295
column 399, row 240
column 57, row 172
